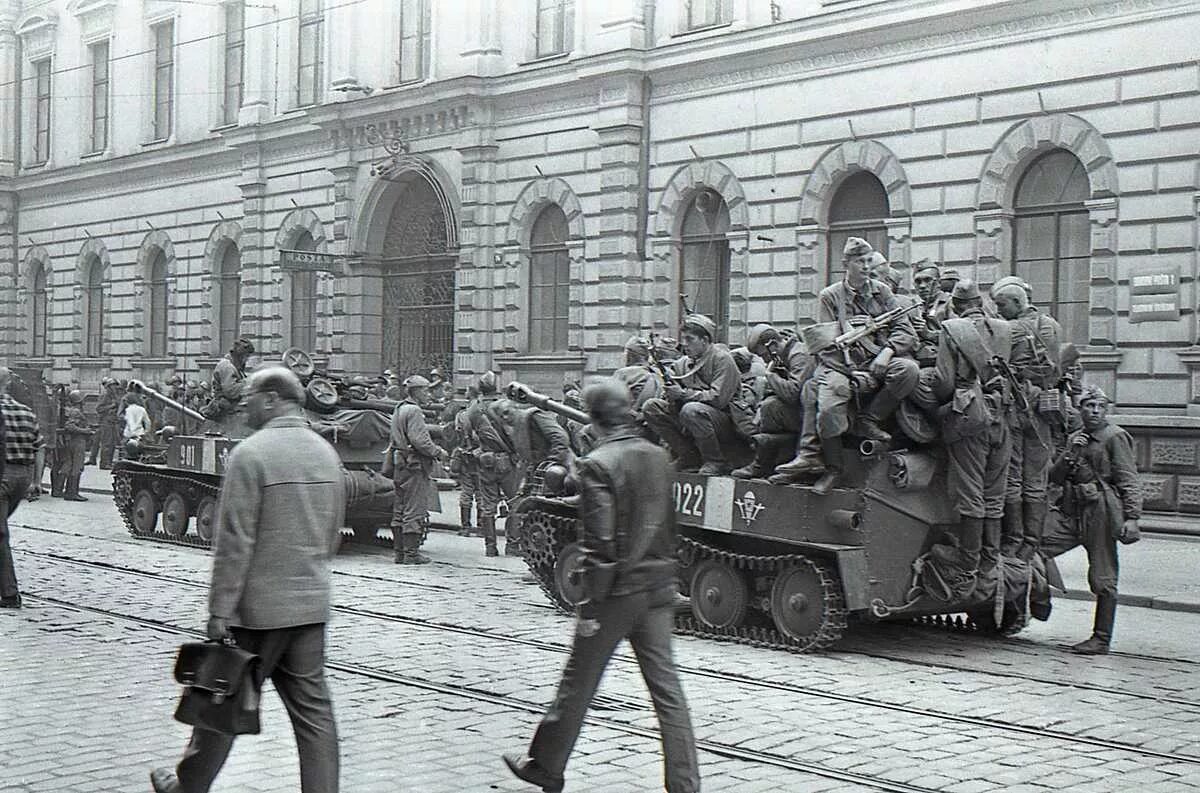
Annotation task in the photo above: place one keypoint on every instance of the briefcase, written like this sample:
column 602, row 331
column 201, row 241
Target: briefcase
column 220, row 687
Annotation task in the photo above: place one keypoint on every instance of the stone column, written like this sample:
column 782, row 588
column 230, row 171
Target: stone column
column 483, row 37
column 343, row 38
column 993, row 230
column 611, row 280
column 258, row 93
column 259, row 287
column 479, row 332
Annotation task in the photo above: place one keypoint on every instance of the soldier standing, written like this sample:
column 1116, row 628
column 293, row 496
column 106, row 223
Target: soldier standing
column 462, row 457
column 779, row 413
column 76, row 433
column 495, row 458
column 413, row 456
column 106, row 414
column 1101, row 505
column 628, row 521
column 693, row 415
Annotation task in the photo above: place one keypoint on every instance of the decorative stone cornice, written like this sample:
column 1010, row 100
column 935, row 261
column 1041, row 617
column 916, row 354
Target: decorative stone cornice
column 95, row 17
column 37, row 30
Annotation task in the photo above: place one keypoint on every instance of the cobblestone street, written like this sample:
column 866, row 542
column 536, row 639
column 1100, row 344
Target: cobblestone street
column 437, row 670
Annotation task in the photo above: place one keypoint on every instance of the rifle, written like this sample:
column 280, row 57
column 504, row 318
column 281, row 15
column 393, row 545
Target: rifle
column 1005, row 372
column 872, row 326
column 658, row 364
column 683, row 302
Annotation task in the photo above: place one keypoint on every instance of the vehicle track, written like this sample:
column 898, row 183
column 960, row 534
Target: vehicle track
column 513, row 703
column 789, row 688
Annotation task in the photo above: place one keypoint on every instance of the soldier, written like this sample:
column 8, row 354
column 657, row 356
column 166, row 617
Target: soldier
column 1101, row 505
column 935, row 310
column 788, row 367
column 947, row 281
column 105, row 440
column 637, row 375
column 75, row 434
column 692, row 416
column 536, row 436
column 877, row 364
column 462, row 457
column 577, row 433
column 1032, row 433
column 413, row 456
column 227, row 379
column 752, row 383
column 627, row 522
column 494, row 456
column 969, row 383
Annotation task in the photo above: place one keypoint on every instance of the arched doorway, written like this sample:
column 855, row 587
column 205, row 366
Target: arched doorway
column 417, row 266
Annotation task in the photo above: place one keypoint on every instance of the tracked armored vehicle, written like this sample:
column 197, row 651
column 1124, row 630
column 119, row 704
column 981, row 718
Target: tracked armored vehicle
column 782, row 566
column 167, row 490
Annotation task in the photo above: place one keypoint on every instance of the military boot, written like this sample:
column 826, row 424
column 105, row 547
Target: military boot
column 714, row 457
column 487, row 525
column 766, row 451
column 870, row 423
column 412, row 550
column 989, row 556
column 807, row 461
column 1011, row 529
column 970, row 541
column 834, row 454
column 464, row 516
column 1106, row 612
column 1034, row 518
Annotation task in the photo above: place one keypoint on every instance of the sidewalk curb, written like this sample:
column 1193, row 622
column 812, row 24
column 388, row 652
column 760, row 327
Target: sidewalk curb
column 1138, row 601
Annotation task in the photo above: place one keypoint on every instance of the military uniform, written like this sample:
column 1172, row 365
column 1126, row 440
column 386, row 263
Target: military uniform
column 74, row 436
column 493, row 457
column 536, row 436
column 414, row 454
column 462, row 461
column 227, row 378
column 108, row 430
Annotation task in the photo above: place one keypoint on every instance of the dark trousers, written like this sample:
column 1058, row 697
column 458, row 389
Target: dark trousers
column 109, row 435
column 13, row 487
column 293, row 659
column 75, row 452
column 645, row 619
column 1064, row 533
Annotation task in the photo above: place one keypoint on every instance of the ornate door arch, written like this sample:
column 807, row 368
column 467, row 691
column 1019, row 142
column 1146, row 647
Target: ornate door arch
column 418, row 285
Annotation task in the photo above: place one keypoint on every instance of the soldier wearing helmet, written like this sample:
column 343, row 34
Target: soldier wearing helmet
column 227, row 379
column 413, row 455
column 487, row 442
column 779, row 413
column 637, row 374
column 692, row 415
column 76, row 432
column 878, row 372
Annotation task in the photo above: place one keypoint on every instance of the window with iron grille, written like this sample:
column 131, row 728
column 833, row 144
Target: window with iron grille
column 415, row 23
column 1052, row 241
column 304, row 299
column 99, row 136
column 93, row 296
column 555, row 27
column 230, row 306
column 699, row 14
column 41, row 135
column 164, row 79
column 41, row 311
column 859, row 209
column 704, row 258
column 159, row 306
column 235, row 50
column 309, row 64
column 549, row 282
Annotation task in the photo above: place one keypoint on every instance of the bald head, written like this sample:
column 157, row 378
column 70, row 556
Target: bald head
column 276, row 380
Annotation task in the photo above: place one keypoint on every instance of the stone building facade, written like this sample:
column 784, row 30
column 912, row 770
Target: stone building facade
column 562, row 170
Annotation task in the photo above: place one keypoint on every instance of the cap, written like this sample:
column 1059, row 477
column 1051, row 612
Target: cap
column 487, row 382
column 925, row 264
column 857, row 246
column 416, row 381
column 742, row 357
column 1009, row 281
column 886, row 273
column 966, row 289
column 702, row 324
column 243, row 345
column 1091, row 393
column 638, row 345
column 876, row 258
column 951, row 275
column 606, row 400
column 760, row 334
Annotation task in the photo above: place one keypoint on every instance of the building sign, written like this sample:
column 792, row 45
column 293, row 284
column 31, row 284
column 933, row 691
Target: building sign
column 1154, row 295
column 308, row 260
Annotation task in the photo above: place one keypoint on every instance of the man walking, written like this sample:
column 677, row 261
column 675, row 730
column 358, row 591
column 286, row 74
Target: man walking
column 281, row 506
column 21, row 439
column 627, row 519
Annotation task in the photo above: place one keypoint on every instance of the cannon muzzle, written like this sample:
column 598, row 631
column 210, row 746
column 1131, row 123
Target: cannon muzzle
column 519, row 392
column 142, row 388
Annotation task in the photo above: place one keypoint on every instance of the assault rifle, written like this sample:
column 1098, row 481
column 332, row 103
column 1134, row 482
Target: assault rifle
column 869, row 328
column 659, row 366
column 1005, row 373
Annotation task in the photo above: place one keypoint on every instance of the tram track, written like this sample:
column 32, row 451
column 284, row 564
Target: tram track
column 734, row 679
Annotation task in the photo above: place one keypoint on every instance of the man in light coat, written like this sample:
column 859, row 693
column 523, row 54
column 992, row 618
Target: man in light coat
column 281, row 507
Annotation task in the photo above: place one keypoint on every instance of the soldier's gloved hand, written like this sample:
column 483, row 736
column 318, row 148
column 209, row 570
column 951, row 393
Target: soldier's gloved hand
column 1130, row 533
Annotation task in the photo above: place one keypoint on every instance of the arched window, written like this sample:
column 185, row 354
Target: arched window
column 93, row 310
column 229, row 309
column 704, row 259
column 1052, row 239
column 549, row 282
column 859, row 209
column 158, row 306
column 41, row 311
column 304, row 299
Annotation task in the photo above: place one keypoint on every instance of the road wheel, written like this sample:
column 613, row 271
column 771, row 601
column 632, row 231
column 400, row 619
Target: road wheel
column 800, row 603
column 175, row 515
column 719, row 595
column 206, row 514
column 568, row 562
column 145, row 512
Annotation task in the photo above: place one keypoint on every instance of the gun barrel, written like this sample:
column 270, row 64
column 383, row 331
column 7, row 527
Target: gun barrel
column 142, row 388
column 519, row 392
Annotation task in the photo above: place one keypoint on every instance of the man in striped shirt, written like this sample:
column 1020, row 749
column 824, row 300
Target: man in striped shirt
column 23, row 454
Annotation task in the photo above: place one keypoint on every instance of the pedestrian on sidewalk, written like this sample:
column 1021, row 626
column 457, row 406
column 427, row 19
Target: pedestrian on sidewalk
column 628, row 519
column 24, row 453
column 281, row 506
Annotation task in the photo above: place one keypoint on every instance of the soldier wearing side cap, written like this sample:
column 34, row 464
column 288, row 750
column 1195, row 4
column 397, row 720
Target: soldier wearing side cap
column 779, row 414
column 495, row 457
column 692, row 417
column 413, row 457
column 879, row 367
column 947, row 281
column 934, row 311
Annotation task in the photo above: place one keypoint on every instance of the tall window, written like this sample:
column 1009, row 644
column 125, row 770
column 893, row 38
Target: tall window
column 555, row 26
column 415, row 22
column 549, row 282
column 230, row 279
column 704, row 259
column 93, row 298
column 41, row 311
column 164, row 79
column 706, row 13
column 859, row 209
column 309, row 62
column 235, row 48
column 1052, row 239
column 99, row 137
column 158, row 306
column 304, row 299
column 41, row 135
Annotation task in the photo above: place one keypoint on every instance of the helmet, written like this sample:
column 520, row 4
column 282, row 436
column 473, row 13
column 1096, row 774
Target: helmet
column 415, row 381
column 760, row 334
column 487, row 382
column 701, row 324
column 966, row 289
column 75, row 397
column 243, row 346
column 743, row 358
column 607, row 401
column 1091, row 393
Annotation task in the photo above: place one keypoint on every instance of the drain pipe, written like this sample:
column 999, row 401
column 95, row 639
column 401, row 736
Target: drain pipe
column 643, row 208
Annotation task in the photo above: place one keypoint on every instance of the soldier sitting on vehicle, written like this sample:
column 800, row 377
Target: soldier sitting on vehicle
column 878, row 365
column 692, row 417
column 779, row 413
column 227, row 379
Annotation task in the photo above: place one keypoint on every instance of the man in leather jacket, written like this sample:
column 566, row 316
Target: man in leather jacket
column 628, row 520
